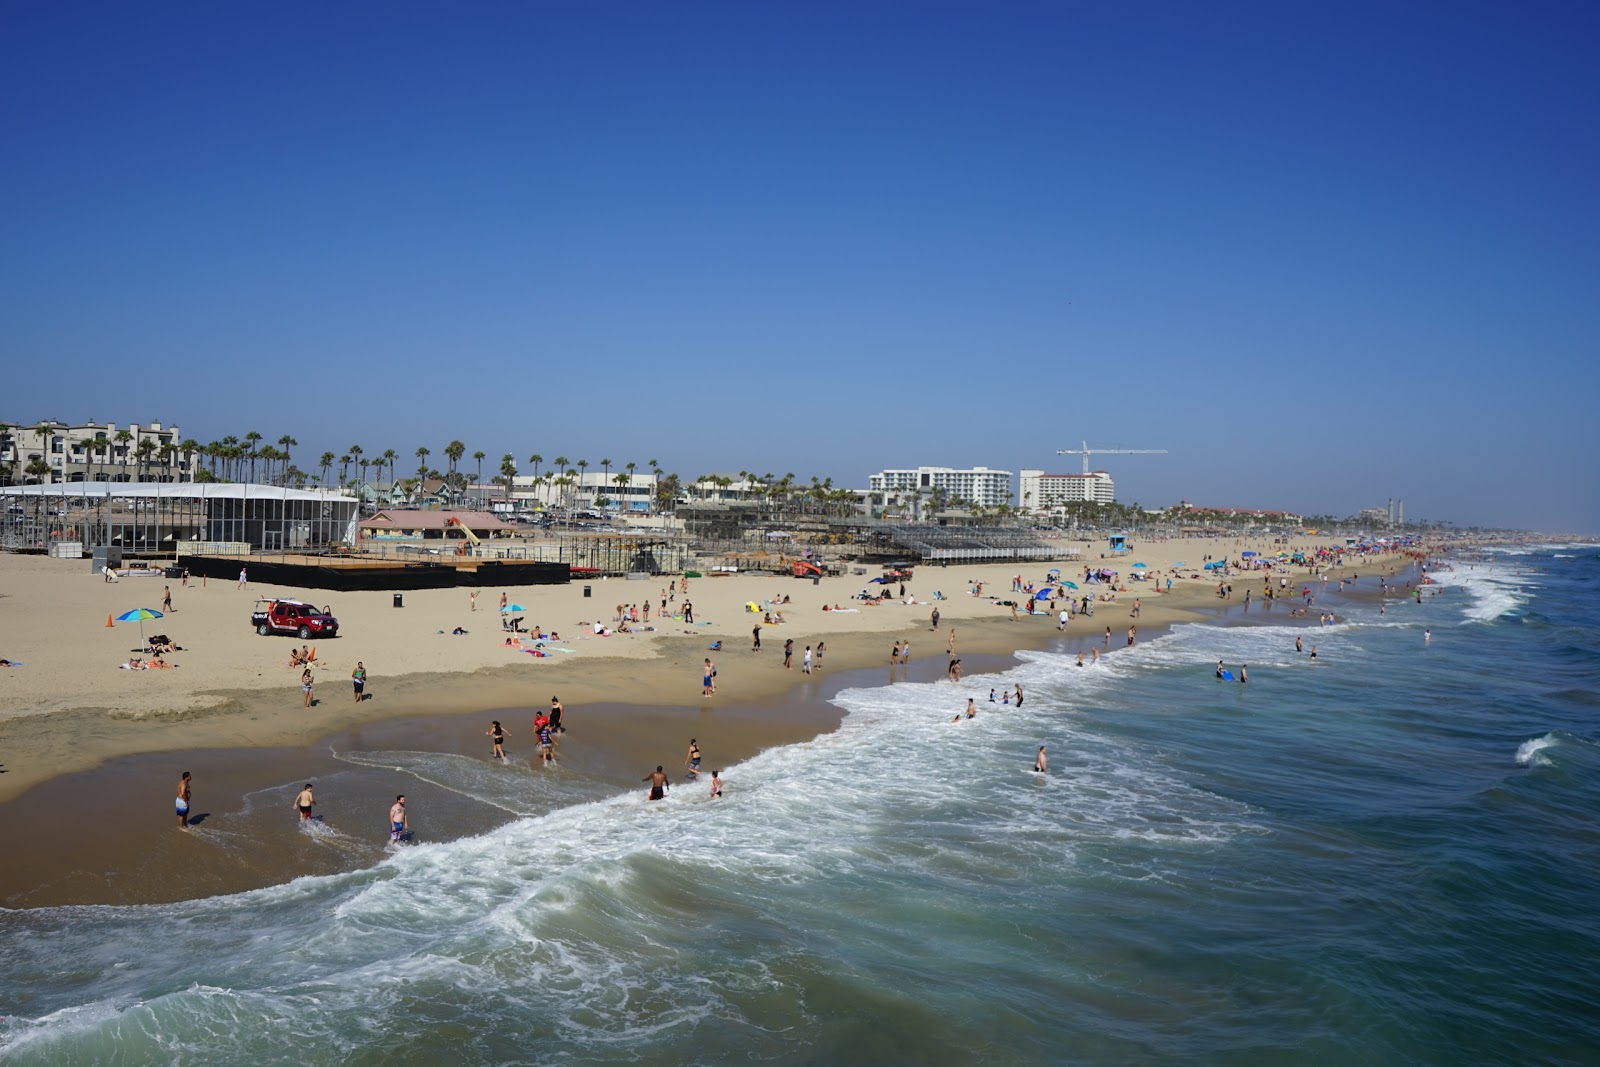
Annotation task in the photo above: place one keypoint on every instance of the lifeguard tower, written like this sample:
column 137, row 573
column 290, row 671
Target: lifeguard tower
column 1118, row 544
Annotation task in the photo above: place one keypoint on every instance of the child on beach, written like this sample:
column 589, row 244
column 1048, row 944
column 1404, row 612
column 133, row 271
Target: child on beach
column 498, row 733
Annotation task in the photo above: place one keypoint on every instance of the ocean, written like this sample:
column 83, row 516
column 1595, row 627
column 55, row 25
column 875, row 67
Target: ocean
column 1387, row 855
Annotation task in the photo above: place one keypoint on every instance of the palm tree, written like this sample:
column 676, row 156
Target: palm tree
column 326, row 462
column 583, row 465
column 287, row 442
column 147, row 445
column 229, row 445
column 190, row 448
column 99, row 443
column 508, row 471
column 605, row 469
column 344, row 468
column 166, row 452
column 453, row 452
column 479, row 455
column 389, row 457
column 43, row 432
column 622, row 480
column 422, row 461
column 250, row 440
column 536, row 459
column 355, row 454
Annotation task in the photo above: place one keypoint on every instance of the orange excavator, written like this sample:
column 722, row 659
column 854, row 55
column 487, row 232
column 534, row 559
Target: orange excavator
column 804, row 568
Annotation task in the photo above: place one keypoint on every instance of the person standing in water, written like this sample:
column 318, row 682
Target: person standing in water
column 399, row 822
column 304, row 801
column 716, row 785
column 1041, row 763
column 557, row 710
column 1244, row 673
column 184, row 786
column 498, row 733
column 658, row 783
column 692, row 760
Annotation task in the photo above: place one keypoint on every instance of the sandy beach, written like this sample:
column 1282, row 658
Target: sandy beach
column 82, row 734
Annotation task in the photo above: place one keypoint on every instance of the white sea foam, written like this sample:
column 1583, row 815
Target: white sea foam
column 1495, row 589
column 1531, row 753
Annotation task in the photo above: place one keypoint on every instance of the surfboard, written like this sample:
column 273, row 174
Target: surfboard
column 1227, row 676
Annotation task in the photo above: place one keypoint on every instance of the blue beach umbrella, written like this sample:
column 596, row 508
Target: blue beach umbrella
column 1180, row 563
column 512, row 607
column 1138, row 566
column 138, row 615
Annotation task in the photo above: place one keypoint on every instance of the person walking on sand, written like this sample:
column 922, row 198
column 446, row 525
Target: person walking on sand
column 935, row 625
column 822, row 646
column 755, row 638
column 184, row 786
column 788, row 654
column 166, row 598
column 399, row 822
column 805, row 660
column 306, row 681
column 658, row 783
column 1041, row 763
column 951, row 647
column 705, row 679
column 692, row 761
column 905, row 652
column 243, row 578
column 304, row 802
column 358, row 679
column 504, row 600
column 498, row 734
column 472, row 600
column 894, row 654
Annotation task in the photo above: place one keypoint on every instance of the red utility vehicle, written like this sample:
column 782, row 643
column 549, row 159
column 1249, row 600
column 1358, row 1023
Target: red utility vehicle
column 293, row 617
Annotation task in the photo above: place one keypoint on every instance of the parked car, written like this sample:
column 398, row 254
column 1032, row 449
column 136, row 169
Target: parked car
column 293, row 617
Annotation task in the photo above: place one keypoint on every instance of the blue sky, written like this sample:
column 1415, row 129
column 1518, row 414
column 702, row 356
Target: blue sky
column 1325, row 255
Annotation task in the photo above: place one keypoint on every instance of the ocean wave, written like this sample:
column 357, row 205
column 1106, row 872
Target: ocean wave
column 1531, row 753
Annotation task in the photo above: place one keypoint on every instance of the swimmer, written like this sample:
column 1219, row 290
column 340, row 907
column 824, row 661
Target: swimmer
column 1041, row 763
column 716, row 785
column 658, row 783
column 1019, row 696
column 184, row 785
column 399, row 823
column 972, row 711
column 303, row 803
column 1244, row 673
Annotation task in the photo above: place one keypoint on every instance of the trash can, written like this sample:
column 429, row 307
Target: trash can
column 815, row 580
column 587, row 590
column 399, row 601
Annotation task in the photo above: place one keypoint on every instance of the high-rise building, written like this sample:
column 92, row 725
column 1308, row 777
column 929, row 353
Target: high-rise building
column 980, row 485
column 1041, row 491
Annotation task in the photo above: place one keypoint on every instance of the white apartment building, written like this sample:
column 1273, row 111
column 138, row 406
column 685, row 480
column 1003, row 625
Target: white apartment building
column 1041, row 491
column 980, row 485
column 132, row 453
column 620, row 490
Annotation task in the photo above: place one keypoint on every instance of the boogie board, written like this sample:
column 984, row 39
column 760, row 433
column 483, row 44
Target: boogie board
column 1227, row 676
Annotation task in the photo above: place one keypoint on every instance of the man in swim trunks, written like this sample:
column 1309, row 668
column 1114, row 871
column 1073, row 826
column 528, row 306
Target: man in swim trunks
column 183, row 801
column 658, row 783
column 692, row 761
column 705, row 679
column 398, row 821
column 1040, row 762
column 303, row 803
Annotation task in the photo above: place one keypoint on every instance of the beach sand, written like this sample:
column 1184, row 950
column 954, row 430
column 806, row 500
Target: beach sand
column 81, row 739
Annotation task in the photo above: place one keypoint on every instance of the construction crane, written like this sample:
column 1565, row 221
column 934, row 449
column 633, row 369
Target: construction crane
column 1086, row 452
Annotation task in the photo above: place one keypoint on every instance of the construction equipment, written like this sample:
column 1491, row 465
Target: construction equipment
column 455, row 524
column 806, row 569
column 1086, row 452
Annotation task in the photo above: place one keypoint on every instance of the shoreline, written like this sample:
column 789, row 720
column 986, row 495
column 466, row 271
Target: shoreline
column 645, row 706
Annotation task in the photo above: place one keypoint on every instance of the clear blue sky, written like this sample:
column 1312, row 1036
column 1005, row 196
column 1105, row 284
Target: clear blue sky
column 1325, row 254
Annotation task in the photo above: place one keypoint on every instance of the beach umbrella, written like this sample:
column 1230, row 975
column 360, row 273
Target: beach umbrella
column 1069, row 585
column 1180, row 563
column 139, row 615
column 511, row 608
column 1138, row 566
column 1246, row 555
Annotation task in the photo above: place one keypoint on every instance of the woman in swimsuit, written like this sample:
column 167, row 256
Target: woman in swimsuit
column 497, row 732
column 693, row 760
column 716, row 785
column 305, row 685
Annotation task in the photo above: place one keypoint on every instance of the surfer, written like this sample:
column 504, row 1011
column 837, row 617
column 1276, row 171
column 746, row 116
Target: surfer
column 183, row 801
column 303, row 803
column 658, row 783
column 398, row 821
column 498, row 733
column 1041, row 763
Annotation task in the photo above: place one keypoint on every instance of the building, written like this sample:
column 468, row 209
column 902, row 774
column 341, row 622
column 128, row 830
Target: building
column 1042, row 492
column 615, row 491
column 417, row 524
column 979, row 485
column 94, row 452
